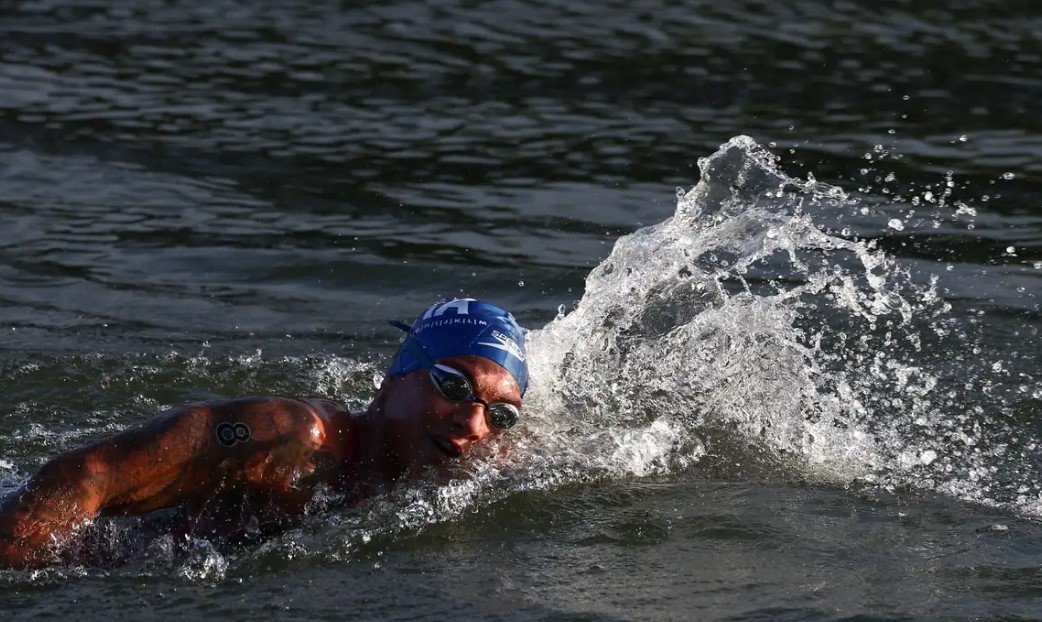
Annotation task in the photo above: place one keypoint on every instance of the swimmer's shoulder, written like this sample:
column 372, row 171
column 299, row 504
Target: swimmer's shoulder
column 313, row 421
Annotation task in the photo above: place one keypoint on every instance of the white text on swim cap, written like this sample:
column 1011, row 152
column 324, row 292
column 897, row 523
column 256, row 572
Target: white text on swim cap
column 450, row 321
column 505, row 344
column 462, row 307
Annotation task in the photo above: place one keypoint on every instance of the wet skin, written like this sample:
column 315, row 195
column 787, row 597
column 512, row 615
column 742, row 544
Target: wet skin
column 238, row 469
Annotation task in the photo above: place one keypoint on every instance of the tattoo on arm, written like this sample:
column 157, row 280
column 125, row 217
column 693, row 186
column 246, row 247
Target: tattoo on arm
column 230, row 434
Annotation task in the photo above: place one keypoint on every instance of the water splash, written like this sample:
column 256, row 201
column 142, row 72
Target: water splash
column 741, row 323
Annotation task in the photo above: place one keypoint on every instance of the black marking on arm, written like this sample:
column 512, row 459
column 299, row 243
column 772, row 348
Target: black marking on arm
column 231, row 434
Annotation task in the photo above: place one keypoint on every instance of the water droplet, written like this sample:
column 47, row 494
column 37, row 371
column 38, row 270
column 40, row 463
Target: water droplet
column 1011, row 251
column 520, row 283
column 896, row 224
column 1008, row 176
column 962, row 138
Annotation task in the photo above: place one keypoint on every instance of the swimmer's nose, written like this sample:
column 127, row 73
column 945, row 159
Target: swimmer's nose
column 471, row 423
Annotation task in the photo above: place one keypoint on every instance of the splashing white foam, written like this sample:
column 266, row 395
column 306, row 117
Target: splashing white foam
column 740, row 322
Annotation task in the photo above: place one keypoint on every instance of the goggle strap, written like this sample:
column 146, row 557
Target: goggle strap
column 400, row 325
column 410, row 343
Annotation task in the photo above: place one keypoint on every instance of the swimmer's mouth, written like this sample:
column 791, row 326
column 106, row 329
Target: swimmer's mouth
column 447, row 447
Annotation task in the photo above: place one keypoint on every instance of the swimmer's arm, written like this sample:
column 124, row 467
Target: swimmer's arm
column 175, row 458
column 149, row 467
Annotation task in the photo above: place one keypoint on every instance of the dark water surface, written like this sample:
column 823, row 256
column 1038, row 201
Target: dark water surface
column 228, row 198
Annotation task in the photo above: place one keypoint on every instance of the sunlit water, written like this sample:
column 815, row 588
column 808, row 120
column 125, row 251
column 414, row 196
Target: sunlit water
column 805, row 387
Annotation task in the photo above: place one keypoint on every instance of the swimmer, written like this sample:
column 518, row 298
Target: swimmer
column 241, row 468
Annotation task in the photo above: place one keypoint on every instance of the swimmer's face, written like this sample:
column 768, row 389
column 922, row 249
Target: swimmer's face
column 424, row 428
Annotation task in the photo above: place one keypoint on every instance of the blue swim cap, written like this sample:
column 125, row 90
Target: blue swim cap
column 466, row 326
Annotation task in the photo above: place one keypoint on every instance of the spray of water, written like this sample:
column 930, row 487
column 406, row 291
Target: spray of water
column 742, row 327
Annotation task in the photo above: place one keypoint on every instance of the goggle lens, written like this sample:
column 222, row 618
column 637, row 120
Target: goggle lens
column 503, row 415
column 453, row 386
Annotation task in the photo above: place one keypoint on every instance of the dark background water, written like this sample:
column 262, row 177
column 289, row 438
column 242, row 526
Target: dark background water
column 231, row 197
